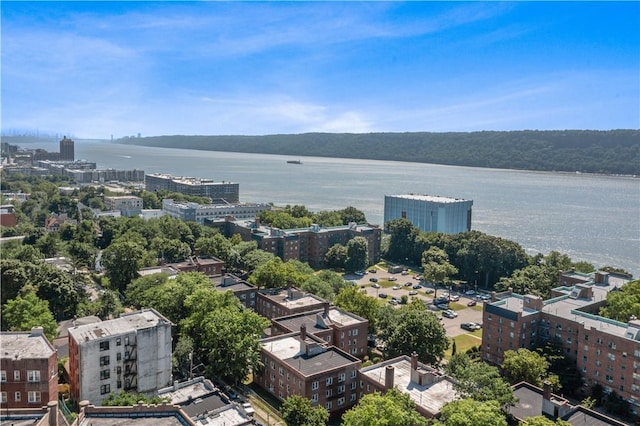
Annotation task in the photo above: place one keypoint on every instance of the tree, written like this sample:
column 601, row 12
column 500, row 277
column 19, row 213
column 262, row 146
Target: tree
column 394, row 408
column 524, row 365
column 402, row 237
column 276, row 273
column 352, row 215
column 122, row 260
column 543, row 421
column 467, row 411
column 127, row 399
column 336, row 256
column 436, row 267
column 352, row 300
column 479, row 381
column 624, row 303
column 357, row 254
column 25, row 312
column 319, row 287
column 223, row 329
column 415, row 329
column 298, row 411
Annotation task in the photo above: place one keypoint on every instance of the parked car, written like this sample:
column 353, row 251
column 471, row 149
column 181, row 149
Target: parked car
column 417, row 286
column 393, row 302
column 413, row 293
column 472, row 303
column 407, row 284
column 382, row 295
column 374, row 285
column 454, row 298
column 373, row 271
column 470, row 326
column 417, row 277
column 448, row 313
column 405, row 273
column 442, row 306
column 248, row 409
column 373, row 279
column 428, row 290
column 469, row 293
column 396, row 287
column 392, row 279
column 359, row 273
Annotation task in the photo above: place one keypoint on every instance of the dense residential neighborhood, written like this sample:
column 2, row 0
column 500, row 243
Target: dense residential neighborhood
column 151, row 296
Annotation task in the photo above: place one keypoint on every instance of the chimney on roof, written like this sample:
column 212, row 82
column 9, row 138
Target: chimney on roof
column 414, row 361
column 389, row 372
column 289, row 292
column 326, row 308
column 37, row 331
column 303, row 332
column 546, row 390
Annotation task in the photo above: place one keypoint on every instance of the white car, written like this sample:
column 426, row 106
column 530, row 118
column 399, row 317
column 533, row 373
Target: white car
column 454, row 298
column 449, row 314
column 396, row 287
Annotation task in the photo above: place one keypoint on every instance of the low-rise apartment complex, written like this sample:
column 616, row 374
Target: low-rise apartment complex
column 302, row 364
column 281, row 302
column 128, row 205
column 195, row 212
column 217, row 191
column 304, row 244
column 131, row 353
column 333, row 325
column 607, row 352
column 28, row 369
column 245, row 292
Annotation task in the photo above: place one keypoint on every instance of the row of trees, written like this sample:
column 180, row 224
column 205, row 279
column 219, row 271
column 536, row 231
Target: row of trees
column 298, row 216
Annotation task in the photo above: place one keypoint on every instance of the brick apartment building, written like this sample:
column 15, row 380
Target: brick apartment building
column 606, row 352
column 308, row 245
column 208, row 265
column 131, row 353
column 245, row 292
column 302, row 364
column 281, row 302
column 333, row 325
column 28, row 370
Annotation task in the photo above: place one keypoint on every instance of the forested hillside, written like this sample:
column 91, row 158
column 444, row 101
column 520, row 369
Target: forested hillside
column 586, row 151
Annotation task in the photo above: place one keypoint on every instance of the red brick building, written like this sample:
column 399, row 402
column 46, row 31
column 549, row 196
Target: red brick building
column 281, row 302
column 28, row 369
column 606, row 352
column 210, row 266
column 302, row 364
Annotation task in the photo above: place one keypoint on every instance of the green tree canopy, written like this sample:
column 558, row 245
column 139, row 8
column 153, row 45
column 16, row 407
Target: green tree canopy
column 28, row 311
column 128, row 399
column 357, row 254
column 352, row 300
column 122, row 260
column 624, row 303
column 415, row 329
column 524, row 365
column 543, row 421
column 298, row 411
column 467, row 411
column 394, row 408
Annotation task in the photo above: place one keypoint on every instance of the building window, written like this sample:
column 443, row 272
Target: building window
column 104, row 374
column 104, row 360
column 17, row 397
column 353, row 397
column 104, row 389
column 33, row 376
column 353, row 385
column 353, row 374
column 314, row 385
column 126, row 340
column 118, row 356
column 118, row 341
column 119, row 384
column 281, row 371
column 341, row 389
column 341, row 377
column 328, row 393
column 3, row 396
column 3, row 375
column 16, row 375
column 329, row 381
column 329, row 405
column 104, row 346
column 34, row 396
column 611, row 356
column 314, row 397
column 340, row 401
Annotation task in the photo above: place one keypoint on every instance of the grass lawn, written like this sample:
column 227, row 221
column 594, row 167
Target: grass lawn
column 478, row 307
column 456, row 306
column 464, row 342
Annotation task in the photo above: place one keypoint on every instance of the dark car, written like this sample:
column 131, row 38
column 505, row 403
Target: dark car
column 417, row 286
column 373, row 271
column 470, row 326
column 373, row 279
column 382, row 295
column 472, row 303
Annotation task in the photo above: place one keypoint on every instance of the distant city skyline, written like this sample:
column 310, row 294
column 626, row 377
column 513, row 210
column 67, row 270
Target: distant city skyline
column 96, row 69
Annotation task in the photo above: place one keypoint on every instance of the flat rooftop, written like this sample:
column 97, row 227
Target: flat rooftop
column 24, row 345
column 227, row 416
column 431, row 397
column 235, row 284
column 298, row 299
column 287, row 348
column 336, row 316
column 127, row 323
column 183, row 392
column 429, row 198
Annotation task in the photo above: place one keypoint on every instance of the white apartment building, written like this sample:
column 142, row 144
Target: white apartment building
column 131, row 353
column 195, row 212
column 128, row 205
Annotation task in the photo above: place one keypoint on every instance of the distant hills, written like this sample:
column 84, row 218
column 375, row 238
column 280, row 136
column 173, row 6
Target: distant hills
column 585, row 151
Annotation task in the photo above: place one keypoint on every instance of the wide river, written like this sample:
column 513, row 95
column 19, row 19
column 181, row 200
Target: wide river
column 588, row 217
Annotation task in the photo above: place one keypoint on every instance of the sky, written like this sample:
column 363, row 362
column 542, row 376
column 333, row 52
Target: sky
column 97, row 69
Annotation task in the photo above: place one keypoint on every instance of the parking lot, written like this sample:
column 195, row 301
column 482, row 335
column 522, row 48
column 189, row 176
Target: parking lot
column 403, row 285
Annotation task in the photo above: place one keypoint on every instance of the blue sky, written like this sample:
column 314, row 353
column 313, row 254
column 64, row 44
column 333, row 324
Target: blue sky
column 95, row 69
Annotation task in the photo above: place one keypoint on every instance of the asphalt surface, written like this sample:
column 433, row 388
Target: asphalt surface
column 452, row 325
